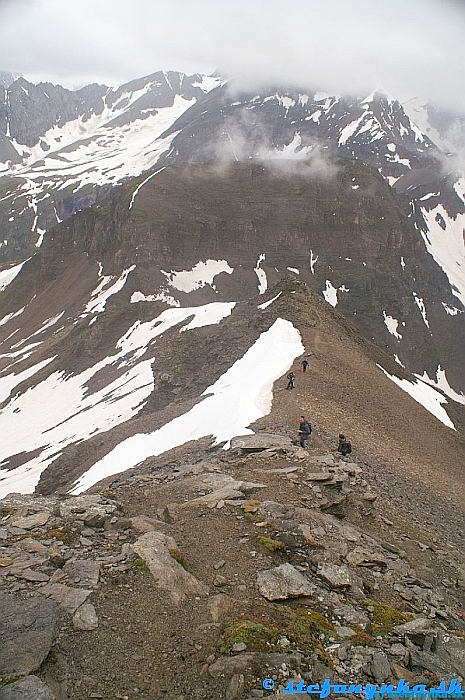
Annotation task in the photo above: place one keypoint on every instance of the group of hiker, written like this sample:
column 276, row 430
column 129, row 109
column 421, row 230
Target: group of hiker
column 305, row 429
column 291, row 376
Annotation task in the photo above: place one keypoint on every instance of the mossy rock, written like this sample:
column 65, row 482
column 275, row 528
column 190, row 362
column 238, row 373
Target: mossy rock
column 140, row 565
column 271, row 544
column 305, row 629
column 256, row 635
column 385, row 617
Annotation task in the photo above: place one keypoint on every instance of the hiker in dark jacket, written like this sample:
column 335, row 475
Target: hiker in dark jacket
column 291, row 380
column 344, row 447
column 304, row 364
column 304, row 431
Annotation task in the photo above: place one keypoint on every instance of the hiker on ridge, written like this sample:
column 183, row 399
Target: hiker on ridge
column 291, row 380
column 305, row 430
column 344, row 447
column 304, row 364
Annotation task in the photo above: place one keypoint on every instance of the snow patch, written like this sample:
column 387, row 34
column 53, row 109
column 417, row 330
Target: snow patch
column 62, row 409
column 425, row 395
column 268, row 303
column 240, row 397
column 421, row 305
column 100, row 296
column 450, row 310
column 446, row 245
column 7, row 276
column 391, row 325
column 441, row 383
column 261, row 274
column 330, row 293
column 201, row 274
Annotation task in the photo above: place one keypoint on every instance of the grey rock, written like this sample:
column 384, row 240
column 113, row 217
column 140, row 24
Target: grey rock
column 335, row 576
column 82, row 572
column 283, row 582
column 28, row 688
column 85, row 618
column 361, row 556
column 142, row 523
column 155, row 549
column 319, row 476
column 432, row 663
column 235, row 687
column 67, row 597
column 28, row 522
column 352, row 616
column 93, row 509
column 260, row 441
column 322, row 459
column 451, row 648
column 380, row 667
column 416, row 630
column 345, row 632
column 31, row 575
column 219, row 606
column 28, row 544
column 28, row 628
column 227, row 666
column 211, row 500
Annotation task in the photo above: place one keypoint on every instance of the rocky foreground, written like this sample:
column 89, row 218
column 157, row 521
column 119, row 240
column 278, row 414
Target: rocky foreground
column 201, row 576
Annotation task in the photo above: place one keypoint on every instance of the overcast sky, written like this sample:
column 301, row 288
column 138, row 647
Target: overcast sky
column 410, row 47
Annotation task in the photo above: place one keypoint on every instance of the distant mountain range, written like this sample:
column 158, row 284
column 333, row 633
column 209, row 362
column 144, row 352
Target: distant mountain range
column 124, row 209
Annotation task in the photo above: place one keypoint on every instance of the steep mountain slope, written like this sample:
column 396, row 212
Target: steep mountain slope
column 92, row 350
column 62, row 151
column 74, row 147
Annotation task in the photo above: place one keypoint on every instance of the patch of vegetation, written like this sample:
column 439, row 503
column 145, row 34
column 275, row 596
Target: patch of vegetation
column 305, row 629
column 361, row 638
column 179, row 557
column 140, row 565
column 385, row 617
column 271, row 544
column 252, row 517
column 256, row 635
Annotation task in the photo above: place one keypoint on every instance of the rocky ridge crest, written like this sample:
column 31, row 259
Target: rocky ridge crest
column 203, row 572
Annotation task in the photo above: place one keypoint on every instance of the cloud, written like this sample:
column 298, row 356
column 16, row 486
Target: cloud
column 411, row 48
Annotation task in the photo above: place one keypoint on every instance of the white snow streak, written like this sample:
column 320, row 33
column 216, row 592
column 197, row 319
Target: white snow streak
column 450, row 310
column 313, row 260
column 62, row 409
column 421, row 305
column 425, row 395
column 240, row 397
column 261, row 274
column 441, row 383
column 330, row 293
column 268, row 303
column 136, row 191
column 391, row 325
column 7, row 276
column 160, row 296
column 100, row 296
column 8, row 317
column 447, row 246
